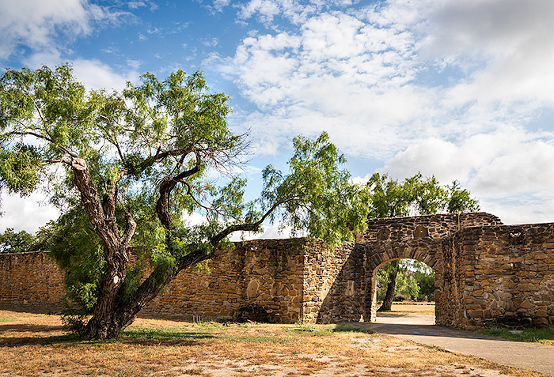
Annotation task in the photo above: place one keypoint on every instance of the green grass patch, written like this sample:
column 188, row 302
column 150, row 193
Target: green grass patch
column 8, row 320
column 347, row 327
column 164, row 333
column 535, row 335
column 327, row 330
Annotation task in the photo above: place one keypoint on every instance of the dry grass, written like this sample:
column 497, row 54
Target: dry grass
column 421, row 308
column 35, row 345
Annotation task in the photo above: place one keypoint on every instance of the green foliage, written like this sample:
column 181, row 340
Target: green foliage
column 417, row 196
column 407, row 285
column 414, row 280
column 459, row 200
column 16, row 242
column 317, row 195
column 20, row 169
column 78, row 253
column 425, row 278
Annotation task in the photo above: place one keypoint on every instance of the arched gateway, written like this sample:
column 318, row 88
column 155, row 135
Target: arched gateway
column 425, row 239
column 486, row 273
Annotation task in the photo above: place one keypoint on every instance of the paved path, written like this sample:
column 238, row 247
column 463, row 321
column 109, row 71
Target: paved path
column 421, row 329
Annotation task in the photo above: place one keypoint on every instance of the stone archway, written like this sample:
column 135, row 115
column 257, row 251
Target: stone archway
column 424, row 238
column 378, row 254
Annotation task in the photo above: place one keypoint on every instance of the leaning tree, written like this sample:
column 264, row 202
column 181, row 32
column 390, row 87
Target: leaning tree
column 125, row 167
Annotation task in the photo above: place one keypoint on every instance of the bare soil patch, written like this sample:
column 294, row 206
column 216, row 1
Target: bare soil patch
column 35, row 345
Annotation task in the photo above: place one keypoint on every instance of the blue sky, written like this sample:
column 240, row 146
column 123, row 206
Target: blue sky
column 459, row 89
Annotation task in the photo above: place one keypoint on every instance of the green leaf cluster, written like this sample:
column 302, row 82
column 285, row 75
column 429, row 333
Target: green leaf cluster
column 17, row 242
column 414, row 280
column 417, row 196
column 317, row 195
column 78, row 253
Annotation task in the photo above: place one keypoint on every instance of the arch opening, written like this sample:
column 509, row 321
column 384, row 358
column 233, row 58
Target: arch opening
column 402, row 287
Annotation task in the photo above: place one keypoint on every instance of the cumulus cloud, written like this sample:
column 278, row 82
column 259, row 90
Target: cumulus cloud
column 41, row 25
column 27, row 214
column 337, row 72
column 360, row 73
column 97, row 75
column 509, row 170
column 507, row 161
column 505, row 44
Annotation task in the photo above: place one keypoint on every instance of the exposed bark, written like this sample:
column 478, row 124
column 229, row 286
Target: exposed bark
column 108, row 319
column 101, row 215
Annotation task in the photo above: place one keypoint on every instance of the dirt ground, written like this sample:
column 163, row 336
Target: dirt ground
column 36, row 345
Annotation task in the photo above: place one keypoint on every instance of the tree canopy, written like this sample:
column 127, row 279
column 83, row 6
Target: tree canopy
column 124, row 167
column 416, row 196
column 16, row 242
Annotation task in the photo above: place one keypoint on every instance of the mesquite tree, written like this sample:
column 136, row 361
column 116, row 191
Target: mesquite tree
column 135, row 161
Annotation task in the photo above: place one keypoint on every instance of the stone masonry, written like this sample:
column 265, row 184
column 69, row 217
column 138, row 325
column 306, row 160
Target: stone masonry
column 486, row 273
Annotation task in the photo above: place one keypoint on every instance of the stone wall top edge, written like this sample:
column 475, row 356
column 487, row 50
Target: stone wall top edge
column 24, row 253
column 272, row 240
column 539, row 227
column 446, row 216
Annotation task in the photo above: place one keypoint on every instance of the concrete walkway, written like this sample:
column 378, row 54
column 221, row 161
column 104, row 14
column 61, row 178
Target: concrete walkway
column 421, row 329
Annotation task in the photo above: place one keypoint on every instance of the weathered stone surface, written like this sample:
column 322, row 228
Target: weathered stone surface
column 486, row 274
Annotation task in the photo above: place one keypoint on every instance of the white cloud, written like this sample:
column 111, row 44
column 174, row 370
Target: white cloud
column 136, row 4
column 509, row 170
column 27, row 214
column 338, row 73
column 46, row 25
column 506, row 45
column 97, row 75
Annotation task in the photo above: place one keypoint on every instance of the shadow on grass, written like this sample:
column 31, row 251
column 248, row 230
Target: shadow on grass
column 163, row 336
column 141, row 336
column 38, row 334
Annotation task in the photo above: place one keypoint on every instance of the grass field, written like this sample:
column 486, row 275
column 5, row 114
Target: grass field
column 535, row 335
column 422, row 308
column 35, row 345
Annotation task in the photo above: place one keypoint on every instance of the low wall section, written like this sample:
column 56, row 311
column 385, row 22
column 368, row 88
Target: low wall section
column 31, row 281
column 505, row 276
column 256, row 275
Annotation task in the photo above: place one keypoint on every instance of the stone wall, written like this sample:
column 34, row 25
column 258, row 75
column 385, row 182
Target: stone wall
column 505, row 276
column 334, row 286
column 421, row 238
column 486, row 274
column 262, row 278
column 31, row 281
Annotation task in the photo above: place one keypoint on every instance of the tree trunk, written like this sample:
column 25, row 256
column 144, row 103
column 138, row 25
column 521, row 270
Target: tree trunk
column 105, row 323
column 389, row 295
column 108, row 324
